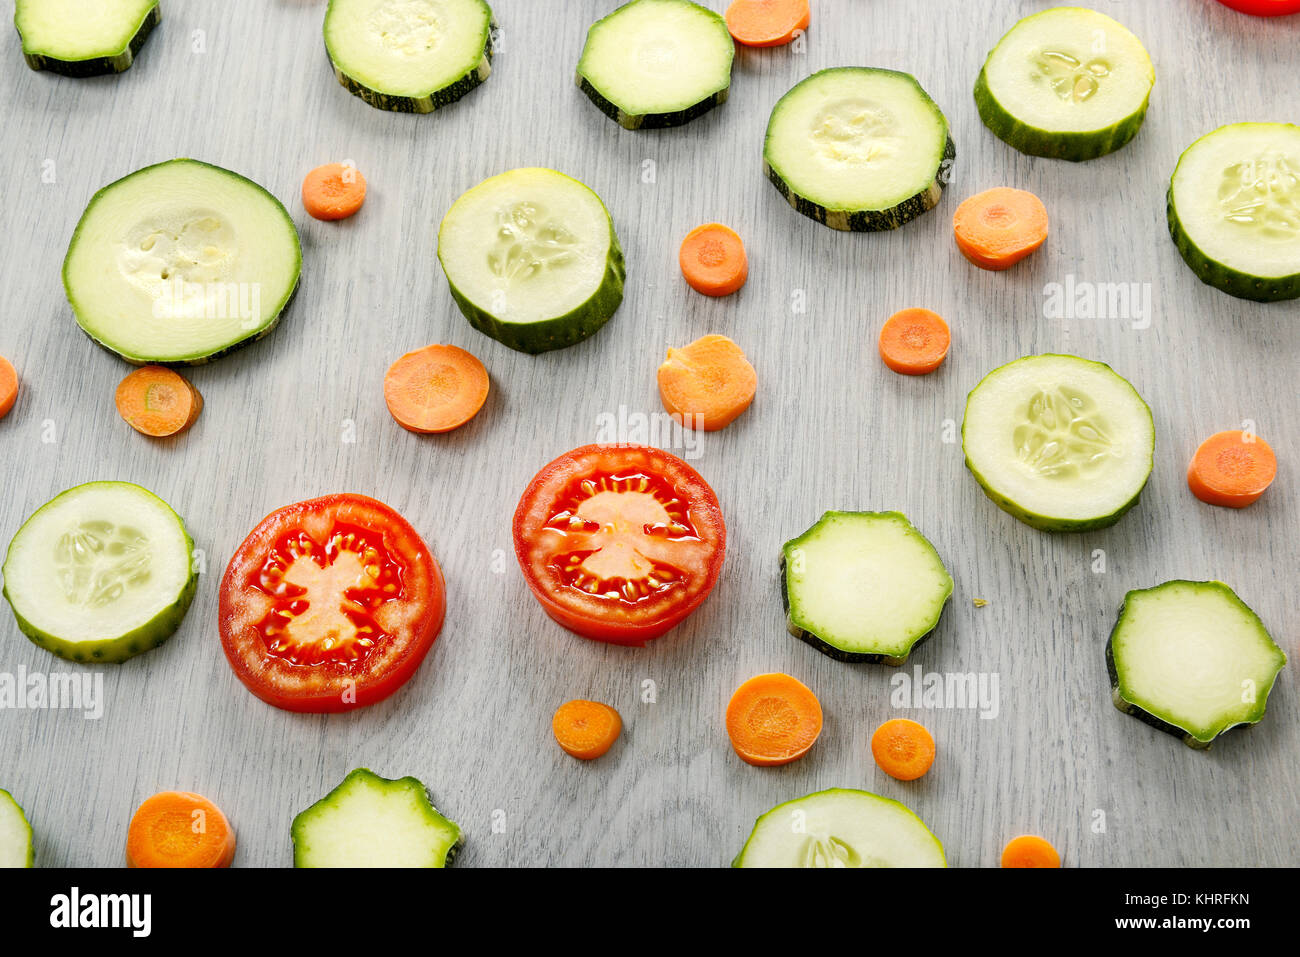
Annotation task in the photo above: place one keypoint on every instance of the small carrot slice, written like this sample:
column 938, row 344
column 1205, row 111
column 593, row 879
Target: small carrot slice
column 1030, row 850
column 8, row 386
column 773, row 719
column 707, row 384
column 586, row 729
column 333, row 191
column 435, row 389
column 903, row 749
column 713, row 260
column 179, row 829
column 767, row 23
column 158, row 402
column 999, row 227
column 914, row 341
column 1231, row 469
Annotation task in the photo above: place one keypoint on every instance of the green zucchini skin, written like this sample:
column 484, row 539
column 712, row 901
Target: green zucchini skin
column 98, row 66
column 1221, row 277
column 650, row 121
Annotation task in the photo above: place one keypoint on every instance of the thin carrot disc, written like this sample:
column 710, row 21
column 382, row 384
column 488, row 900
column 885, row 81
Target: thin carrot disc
column 1231, row 469
column 707, row 384
column 586, row 729
column 435, row 389
column 333, row 191
column 8, row 386
column 999, row 227
column 773, row 719
column 903, row 749
column 158, row 402
column 179, row 829
column 712, row 258
column 1030, row 850
column 767, row 23
column 914, row 341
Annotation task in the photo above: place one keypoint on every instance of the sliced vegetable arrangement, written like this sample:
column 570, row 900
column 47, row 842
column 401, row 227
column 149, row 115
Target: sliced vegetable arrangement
column 179, row 829
column 435, row 389
column 1191, row 659
column 409, row 56
column 64, row 36
column 1232, row 469
column 158, row 402
column 330, row 604
column 999, row 227
column 707, row 385
column 657, row 63
column 586, row 729
column 16, row 848
column 773, row 719
column 101, row 572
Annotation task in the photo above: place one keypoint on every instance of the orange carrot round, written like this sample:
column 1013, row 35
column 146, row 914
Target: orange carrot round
column 914, row 341
column 158, row 402
column 999, row 227
column 767, row 23
column 1231, row 469
column 586, row 729
column 333, row 191
column 179, row 829
column 903, row 749
column 435, row 389
column 707, row 384
column 8, row 386
column 773, row 719
column 1029, row 850
column 713, row 260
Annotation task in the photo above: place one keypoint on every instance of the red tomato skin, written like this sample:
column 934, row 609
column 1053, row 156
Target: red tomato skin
column 1264, row 8
column 367, row 691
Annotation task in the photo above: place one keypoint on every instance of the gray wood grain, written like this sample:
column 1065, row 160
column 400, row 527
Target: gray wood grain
column 830, row 428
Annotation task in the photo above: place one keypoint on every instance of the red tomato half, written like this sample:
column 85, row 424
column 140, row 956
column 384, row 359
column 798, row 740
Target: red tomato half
column 1264, row 8
column 330, row 604
column 619, row 542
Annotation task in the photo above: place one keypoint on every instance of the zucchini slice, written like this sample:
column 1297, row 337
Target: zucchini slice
column 1234, row 210
column 16, row 848
column 181, row 262
column 101, row 572
column 409, row 56
column 532, row 259
column 1191, row 659
column 652, row 64
column 77, row 38
column 1067, row 83
column 863, row 586
column 1061, row 443
column 858, row 148
column 841, row 827
column 369, row 821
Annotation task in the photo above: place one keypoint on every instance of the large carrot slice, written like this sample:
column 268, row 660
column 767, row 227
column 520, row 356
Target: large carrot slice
column 586, row 729
column 773, row 719
column 1030, row 850
column 713, row 260
column 333, row 191
column 707, row 384
column 158, row 402
column 767, row 23
column 179, row 829
column 999, row 227
column 1231, row 469
column 914, row 341
column 903, row 749
column 435, row 389
column 8, row 386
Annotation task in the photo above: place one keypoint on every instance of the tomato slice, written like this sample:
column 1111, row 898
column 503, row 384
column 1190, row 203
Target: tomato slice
column 330, row 604
column 619, row 543
column 1264, row 8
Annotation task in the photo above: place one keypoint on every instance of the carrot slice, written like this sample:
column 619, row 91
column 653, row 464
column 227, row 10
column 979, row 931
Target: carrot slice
column 713, row 260
column 179, row 829
column 1231, row 469
column 903, row 749
column 586, row 729
column 8, row 386
column 158, row 402
column 333, row 191
column 1030, row 850
column 707, row 384
column 773, row 719
column 914, row 341
column 767, row 23
column 435, row 389
column 999, row 227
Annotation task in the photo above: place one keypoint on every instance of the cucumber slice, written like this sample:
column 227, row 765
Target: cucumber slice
column 841, row 827
column 1061, row 443
column 1191, row 659
column 863, row 586
column 532, row 259
column 409, row 56
column 1234, row 210
column 16, row 848
column 369, row 821
column 181, row 262
column 1067, row 83
column 657, row 63
column 80, row 38
column 857, row 148
column 101, row 572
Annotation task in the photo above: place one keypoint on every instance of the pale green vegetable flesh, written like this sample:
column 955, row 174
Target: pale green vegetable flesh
column 16, row 848
column 84, row 37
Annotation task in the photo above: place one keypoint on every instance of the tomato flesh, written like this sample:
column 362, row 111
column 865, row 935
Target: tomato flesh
column 1264, row 8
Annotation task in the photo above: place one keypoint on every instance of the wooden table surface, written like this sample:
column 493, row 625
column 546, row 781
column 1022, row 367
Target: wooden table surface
column 246, row 84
